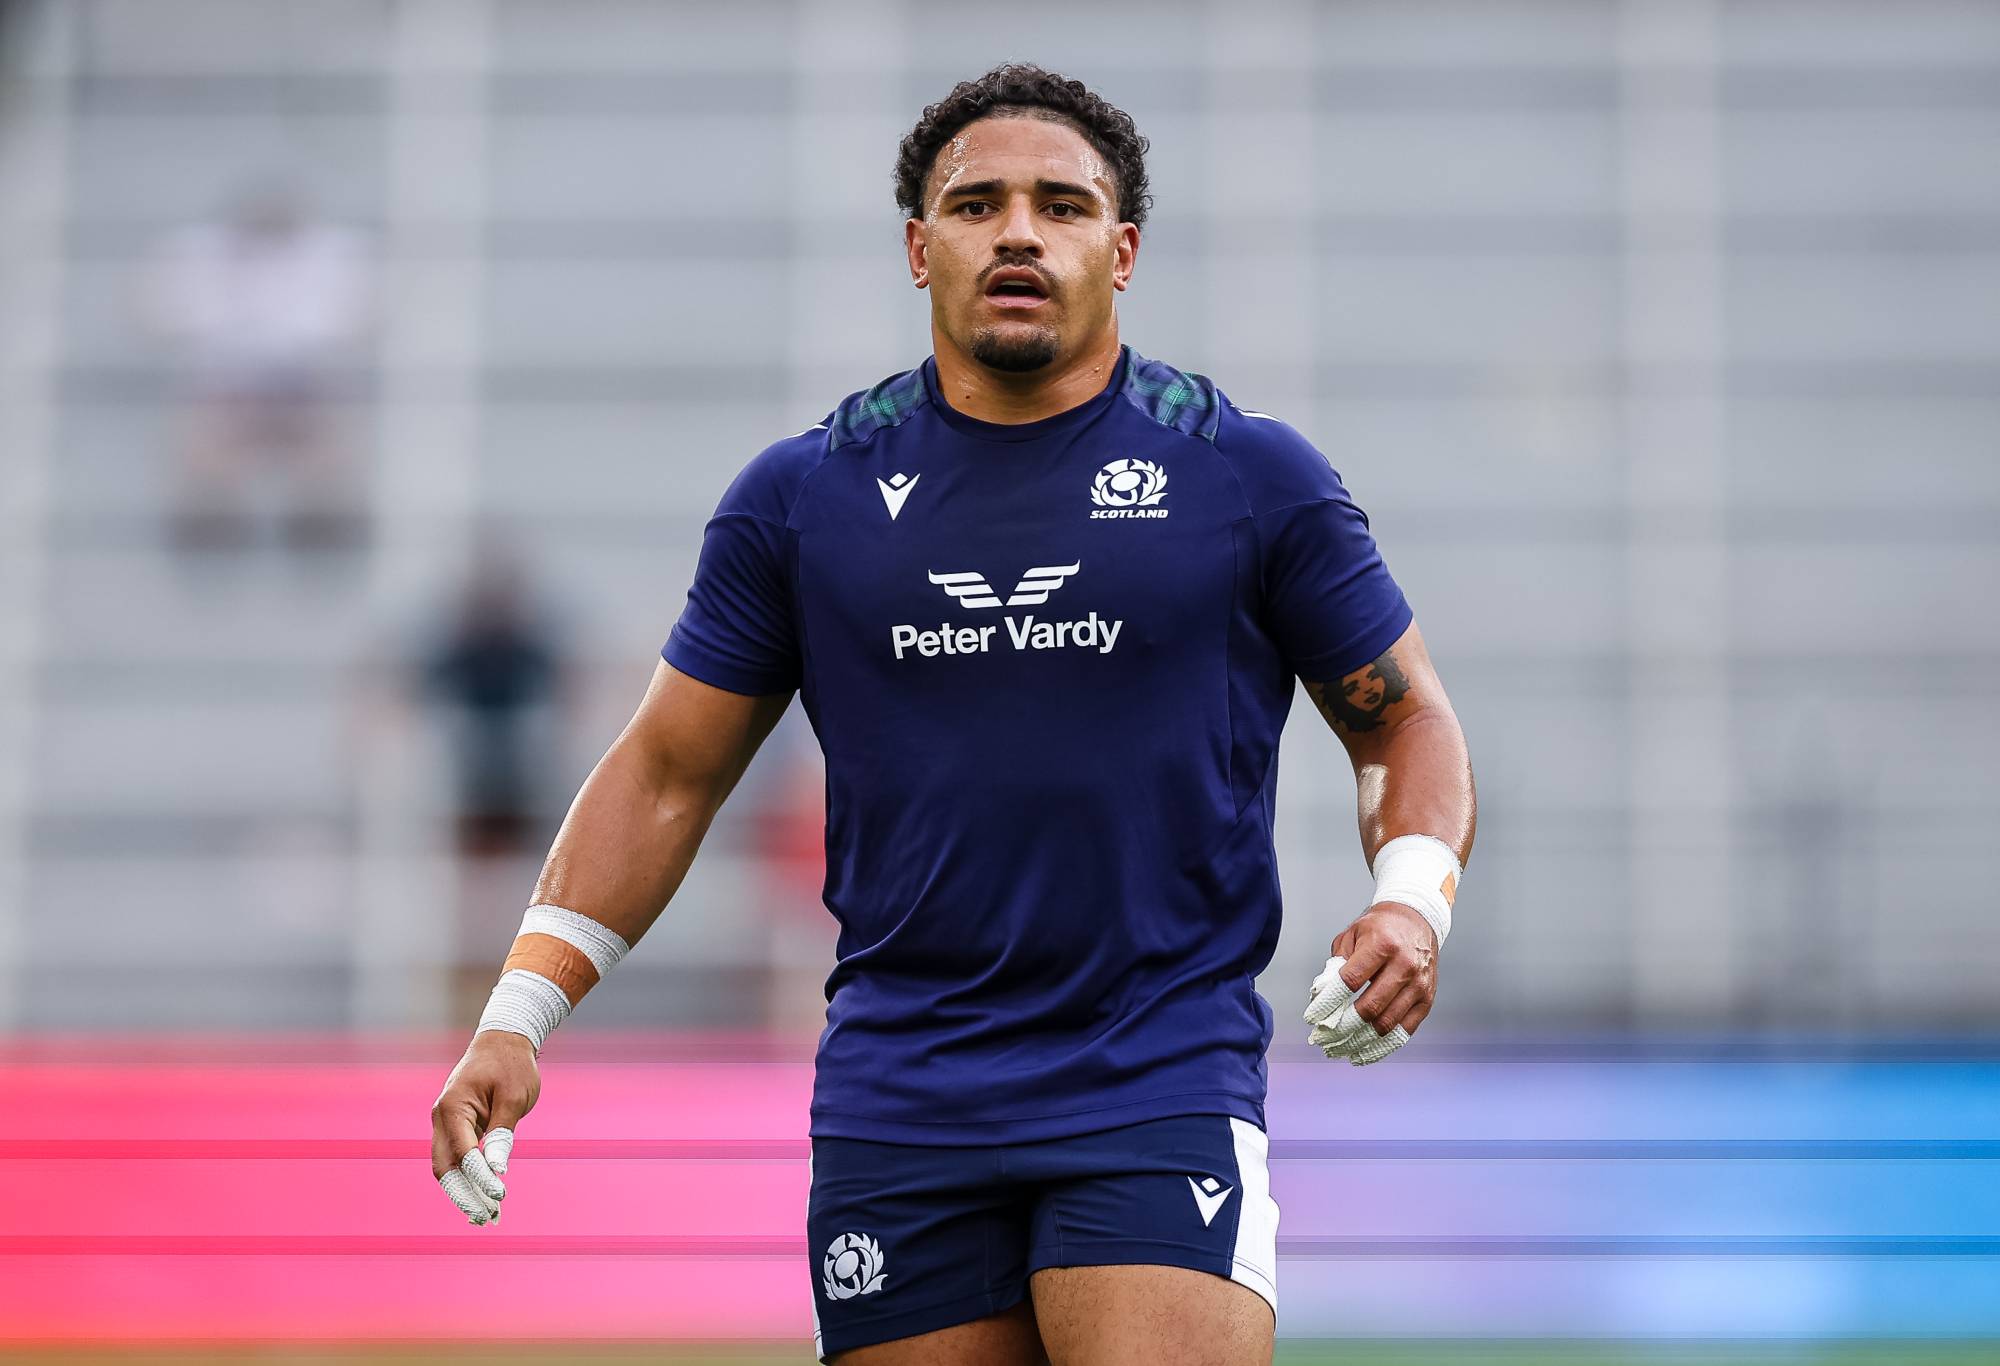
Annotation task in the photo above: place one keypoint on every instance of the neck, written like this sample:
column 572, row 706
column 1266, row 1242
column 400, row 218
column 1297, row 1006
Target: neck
column 991, row 395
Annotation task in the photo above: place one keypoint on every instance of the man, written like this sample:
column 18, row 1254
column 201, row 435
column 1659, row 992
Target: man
column 1044, row 601
column 261, row 306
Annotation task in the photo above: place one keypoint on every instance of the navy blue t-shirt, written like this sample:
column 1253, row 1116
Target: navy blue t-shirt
column 1048, row 664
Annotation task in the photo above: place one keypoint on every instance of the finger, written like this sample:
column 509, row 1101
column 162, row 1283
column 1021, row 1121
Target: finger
column 476, row 1208
column 1343, row 943
column 499, row 1146
column 1370, row 953
column 1337, row 1045
column 1379, row 1049
column 1329, row 993
column 1397, row 1012
column 1388, row 985
column 441, row 1158
column 453, row 1130
column 474, row 1165
column 451, row 1135
column 1336, row 1027
column 1417, row 1014
column 1343, row 1033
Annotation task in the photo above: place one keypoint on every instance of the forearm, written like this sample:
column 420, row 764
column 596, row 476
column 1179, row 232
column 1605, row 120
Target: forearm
column 625, row 845
column 620, row 856
column 1416, row 779
column 1415, row 803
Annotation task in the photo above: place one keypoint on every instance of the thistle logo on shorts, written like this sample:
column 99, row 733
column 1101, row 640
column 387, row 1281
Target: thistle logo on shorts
column 853, row 1266
column 1129, row 488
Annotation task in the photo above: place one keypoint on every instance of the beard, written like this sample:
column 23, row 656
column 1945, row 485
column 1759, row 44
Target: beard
column 1014, row 349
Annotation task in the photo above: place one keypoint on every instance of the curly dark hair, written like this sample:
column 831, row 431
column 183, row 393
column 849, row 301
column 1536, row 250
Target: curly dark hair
column 1035, row 93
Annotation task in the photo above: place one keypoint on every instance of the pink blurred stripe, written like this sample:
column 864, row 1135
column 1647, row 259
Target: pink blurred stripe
column 734, row 1100
column 393, row 1149
column 141, row 1240
column 441, row 1047
column 387, row 1297
column 401, row 1199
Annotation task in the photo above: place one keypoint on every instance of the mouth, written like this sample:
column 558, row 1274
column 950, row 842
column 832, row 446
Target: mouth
column 1016, row 289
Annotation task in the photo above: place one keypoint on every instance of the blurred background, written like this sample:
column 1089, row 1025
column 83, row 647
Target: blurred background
column 368, row 369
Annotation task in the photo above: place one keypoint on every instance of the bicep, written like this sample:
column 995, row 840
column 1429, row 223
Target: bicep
column 1368, row 703
column 696, row 739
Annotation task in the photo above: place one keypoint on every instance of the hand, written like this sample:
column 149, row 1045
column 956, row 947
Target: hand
column 493, row 1086
column 1391, row 951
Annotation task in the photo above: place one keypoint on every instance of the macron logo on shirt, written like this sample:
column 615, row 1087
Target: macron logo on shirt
column 896, row 491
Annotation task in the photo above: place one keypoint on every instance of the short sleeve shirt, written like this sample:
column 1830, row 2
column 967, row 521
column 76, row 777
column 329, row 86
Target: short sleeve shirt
column 1048, row 664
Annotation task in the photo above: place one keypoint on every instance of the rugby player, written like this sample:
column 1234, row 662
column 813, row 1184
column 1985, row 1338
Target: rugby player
column 1046, row 602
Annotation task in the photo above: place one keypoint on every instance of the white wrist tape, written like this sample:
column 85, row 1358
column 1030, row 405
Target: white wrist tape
column 525, row 1002
column 533, row 1002
column 1421, row 872
column 602, row 945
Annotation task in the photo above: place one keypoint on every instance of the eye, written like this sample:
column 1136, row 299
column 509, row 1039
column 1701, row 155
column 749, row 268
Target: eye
column 1068, row 210
column 969, row 205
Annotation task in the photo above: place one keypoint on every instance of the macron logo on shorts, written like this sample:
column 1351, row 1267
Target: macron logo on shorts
column 1209, row 1195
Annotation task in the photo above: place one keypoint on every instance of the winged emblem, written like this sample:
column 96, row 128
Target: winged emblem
column 972, row 590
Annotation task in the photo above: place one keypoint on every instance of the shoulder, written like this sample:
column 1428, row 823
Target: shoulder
column 770, row 485
column 1178, row 399
column 770, row 482
column 887, row 404
column 1275, row 462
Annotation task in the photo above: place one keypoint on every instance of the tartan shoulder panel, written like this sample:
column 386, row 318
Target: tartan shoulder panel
column 1173, row 398
column 888, row 404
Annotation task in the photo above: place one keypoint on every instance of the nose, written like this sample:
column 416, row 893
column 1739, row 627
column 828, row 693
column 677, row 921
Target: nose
column 1019, row 230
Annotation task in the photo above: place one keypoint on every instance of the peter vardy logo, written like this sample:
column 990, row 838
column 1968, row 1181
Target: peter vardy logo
column 1129, row 488
column 853, row 1266
column 970, row 589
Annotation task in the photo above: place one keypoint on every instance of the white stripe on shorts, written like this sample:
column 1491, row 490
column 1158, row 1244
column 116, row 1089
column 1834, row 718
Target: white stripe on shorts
column 1255, row 1256
column 817, row 1350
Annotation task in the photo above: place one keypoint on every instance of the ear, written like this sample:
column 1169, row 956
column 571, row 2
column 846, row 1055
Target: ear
column 915, row 246
column 1125, row 256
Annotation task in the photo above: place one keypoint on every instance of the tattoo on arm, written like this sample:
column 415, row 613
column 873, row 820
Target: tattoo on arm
column 1359, row 700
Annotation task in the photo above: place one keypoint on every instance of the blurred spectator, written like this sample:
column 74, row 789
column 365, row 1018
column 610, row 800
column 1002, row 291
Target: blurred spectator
column 495, row 674
column 260, row 305
column 499, row 671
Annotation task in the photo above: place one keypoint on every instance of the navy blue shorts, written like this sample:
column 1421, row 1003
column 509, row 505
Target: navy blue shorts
column 905, row 1239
